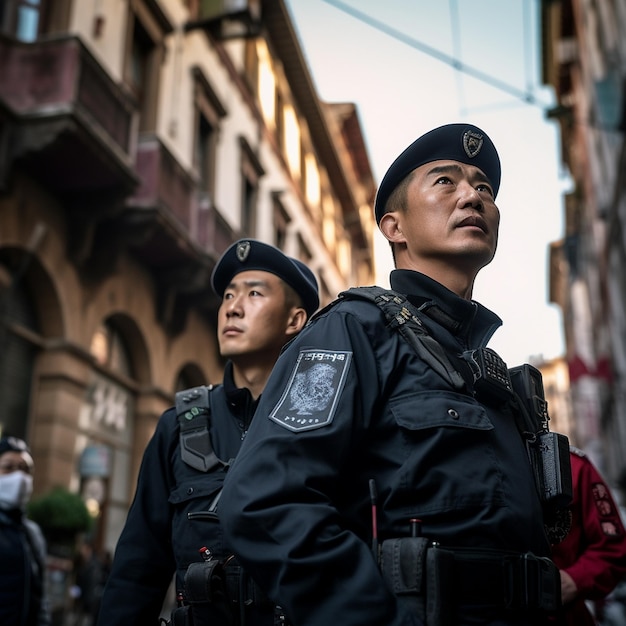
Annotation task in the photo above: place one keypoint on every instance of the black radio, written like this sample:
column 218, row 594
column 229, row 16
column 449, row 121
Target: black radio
column 548, row 451
column 492, row 381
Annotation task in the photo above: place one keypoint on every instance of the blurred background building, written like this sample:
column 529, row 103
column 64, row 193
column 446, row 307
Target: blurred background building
column 138, row 140
column 584, row 60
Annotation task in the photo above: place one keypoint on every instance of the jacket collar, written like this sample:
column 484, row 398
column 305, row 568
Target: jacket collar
column 468, row 320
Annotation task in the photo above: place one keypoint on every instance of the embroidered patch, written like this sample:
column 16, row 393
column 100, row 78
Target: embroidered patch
column 313, row 391
column 610, row 529
column 599, row 491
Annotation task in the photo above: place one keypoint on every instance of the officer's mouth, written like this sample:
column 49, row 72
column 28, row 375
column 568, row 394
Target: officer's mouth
column 232, row 331
column 474, row 221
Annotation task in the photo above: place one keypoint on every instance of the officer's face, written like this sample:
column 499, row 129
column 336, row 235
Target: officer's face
column 254, row 318
column 451, row 218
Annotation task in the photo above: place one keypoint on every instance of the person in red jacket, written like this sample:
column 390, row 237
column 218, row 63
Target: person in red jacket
column 592, row 558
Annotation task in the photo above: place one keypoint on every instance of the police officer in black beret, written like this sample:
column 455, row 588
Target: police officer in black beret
column 392, row 483
column 267, row 298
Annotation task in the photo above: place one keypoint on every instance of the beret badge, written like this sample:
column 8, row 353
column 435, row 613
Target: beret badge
column 472, row 143
column 243, row 250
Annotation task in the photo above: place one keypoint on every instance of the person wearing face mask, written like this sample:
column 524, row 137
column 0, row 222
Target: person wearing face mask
column 23, row 599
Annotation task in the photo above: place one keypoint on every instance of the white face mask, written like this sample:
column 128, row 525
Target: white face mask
column 15, row 490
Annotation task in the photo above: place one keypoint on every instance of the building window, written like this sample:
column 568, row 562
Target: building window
column 189, row 376
column 312, row 190
column 281, row 222
column 280, row 121
column 304, row 253
column 18, row 326
column 251, row 65
column 147, row 27
column 208, row 112
column 329, row 222
column 205, row 153
column 22, row 19
column 266, row 89
column 251, row 172
column 292, row 147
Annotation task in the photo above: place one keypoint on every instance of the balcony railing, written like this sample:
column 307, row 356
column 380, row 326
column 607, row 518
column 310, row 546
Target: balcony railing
column 73, row 125
column 168, row 196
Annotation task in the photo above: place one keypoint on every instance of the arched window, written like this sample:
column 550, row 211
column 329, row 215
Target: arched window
column 106, row 428
column 18, row 329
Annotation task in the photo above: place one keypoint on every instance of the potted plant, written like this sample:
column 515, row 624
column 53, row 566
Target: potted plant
column 62, row 516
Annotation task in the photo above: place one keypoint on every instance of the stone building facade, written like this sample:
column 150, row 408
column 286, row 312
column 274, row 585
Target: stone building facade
column 138, row 139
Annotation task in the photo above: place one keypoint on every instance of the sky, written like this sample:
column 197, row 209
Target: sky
column 413, row 65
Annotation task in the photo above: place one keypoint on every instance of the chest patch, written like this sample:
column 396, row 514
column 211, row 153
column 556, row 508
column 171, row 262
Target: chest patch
column 313, row 391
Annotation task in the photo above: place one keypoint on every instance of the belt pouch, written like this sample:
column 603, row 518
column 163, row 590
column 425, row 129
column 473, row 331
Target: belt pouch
column 440, row 604
column 200, row 581
column 205, row 593
column 403, row 564
column 180, row 617
column 542, row 583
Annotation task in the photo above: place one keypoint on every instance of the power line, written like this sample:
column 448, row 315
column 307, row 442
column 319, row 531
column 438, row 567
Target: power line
column 456, row 43
column 525, row 96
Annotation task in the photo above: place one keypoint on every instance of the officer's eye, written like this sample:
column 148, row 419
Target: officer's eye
column 484, row 187
column 443, row 180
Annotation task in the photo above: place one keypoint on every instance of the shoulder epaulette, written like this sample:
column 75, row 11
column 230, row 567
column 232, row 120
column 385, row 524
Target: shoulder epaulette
column 193, row 408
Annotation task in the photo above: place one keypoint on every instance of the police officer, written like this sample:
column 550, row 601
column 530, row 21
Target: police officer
column 389, row 487
column 267, row 298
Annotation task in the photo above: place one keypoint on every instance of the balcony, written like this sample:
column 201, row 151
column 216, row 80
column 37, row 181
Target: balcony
column 174, row 230
column 167, row 200
column 67, row 122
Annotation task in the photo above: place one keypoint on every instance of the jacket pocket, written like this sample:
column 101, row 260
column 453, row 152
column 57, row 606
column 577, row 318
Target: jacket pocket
column 447, row 453
column 434, row 409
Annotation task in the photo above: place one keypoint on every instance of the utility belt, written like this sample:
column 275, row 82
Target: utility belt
column 438, row 580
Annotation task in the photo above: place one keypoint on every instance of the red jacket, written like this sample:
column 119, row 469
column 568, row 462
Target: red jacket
column 594, row 551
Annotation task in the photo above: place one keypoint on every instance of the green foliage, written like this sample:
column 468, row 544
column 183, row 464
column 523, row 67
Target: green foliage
column 62, row 515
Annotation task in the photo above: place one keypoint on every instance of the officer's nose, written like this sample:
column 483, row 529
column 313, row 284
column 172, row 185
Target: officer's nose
column 470, row 198
column 233, row 307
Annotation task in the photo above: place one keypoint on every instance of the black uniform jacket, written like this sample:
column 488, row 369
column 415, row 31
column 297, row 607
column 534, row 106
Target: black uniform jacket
column 158, row 537
column 349, row 401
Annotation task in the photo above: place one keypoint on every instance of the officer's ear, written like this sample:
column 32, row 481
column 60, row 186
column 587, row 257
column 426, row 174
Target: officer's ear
column 391, row 227
column 296, row 320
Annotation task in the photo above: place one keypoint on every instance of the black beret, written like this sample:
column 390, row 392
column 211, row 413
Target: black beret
column 465, row 143
column 13, row 444
column 250, row 254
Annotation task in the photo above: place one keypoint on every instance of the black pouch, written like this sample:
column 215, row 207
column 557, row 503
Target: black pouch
column 440, row 604
column 180, row 617
column 205, row 592
column 535, row 584
column 403, row 564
